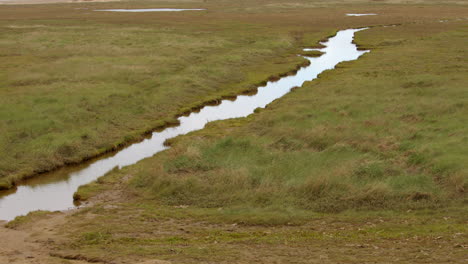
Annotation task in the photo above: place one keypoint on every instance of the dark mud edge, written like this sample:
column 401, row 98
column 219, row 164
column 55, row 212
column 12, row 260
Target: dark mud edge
column 78, row 257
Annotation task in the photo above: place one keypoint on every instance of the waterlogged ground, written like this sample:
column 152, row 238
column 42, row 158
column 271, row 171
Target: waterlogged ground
column 366, row 164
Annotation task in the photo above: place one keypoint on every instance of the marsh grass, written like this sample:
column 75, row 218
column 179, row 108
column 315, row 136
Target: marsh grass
column 190, row 235
column 357, row 138
column 75, row 84
column 74, row 89
column 23, row 220
column 355, row 141
column 380, row 140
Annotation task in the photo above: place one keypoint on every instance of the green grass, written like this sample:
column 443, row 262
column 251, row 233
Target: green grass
column 27, row 219
column 72, row 89
column 75, row 83
column 370, row 156
column 366, row 163
column 139, row 231
column 384, row 132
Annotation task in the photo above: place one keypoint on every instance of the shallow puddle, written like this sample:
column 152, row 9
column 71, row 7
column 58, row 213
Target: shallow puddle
column 149, row 10
column 54, row 191
column 371, row 14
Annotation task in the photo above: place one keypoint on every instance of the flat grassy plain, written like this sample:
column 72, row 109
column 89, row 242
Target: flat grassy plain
column 75, row 83
column 367, row 164
column 372, row 155
column 386, row 131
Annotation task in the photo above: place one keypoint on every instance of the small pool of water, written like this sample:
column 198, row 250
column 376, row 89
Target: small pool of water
column 149, row 10
column 54, row 191
column 370, row 14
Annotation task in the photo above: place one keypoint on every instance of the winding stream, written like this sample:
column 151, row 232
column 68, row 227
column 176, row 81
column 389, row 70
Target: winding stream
column 54, row 191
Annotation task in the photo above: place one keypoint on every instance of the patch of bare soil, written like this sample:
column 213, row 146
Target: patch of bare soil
column 32, row 242
column 36, row 240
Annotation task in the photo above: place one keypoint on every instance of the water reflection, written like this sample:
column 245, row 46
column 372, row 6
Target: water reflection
column 370, row 14
column 149, row 10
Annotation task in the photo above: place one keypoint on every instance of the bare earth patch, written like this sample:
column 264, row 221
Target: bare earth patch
column 30, row 243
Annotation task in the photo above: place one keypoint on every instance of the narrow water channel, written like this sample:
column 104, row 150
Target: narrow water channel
column 54, row 191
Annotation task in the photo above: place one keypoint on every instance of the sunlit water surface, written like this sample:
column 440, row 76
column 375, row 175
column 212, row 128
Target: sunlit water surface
column 149, row 10
column 54, row 191
column 370, row 14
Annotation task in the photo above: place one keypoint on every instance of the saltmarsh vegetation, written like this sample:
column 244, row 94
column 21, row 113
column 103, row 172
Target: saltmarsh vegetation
column 74, row 88
column 384, row 132
column 370, row 155
column 367, row 162
column 76, row 83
